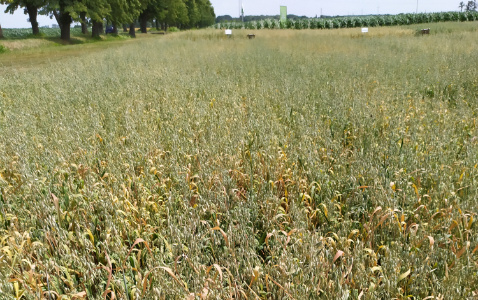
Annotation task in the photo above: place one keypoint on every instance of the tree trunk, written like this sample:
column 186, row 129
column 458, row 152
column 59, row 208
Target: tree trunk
column 143, row 22
column 32, row 14
column 1, row 33
column 65, row 31
column 132, row 30
column 115, row 29
column 96, row 29
column 65, row 22
column 157, row 24
column 125, row 27
column 84, row 26
column 57, row 17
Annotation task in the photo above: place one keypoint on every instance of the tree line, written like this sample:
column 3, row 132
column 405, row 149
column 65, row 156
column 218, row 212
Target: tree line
column 118, row 13
column 249, row 18
column 469, row 6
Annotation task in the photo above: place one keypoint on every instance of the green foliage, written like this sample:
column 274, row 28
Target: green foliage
column 124, row 11
column 3, row 49
column 180, row 13
column 176, row 12
column 13, row 5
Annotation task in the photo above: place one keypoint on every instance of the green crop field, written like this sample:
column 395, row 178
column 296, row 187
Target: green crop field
column 22, row 33
column 353, row 21
column 305, row 164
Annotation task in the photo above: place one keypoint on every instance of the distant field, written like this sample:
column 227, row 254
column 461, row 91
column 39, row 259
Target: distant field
column 353, row 21
column 44, row 32
column 298, row 165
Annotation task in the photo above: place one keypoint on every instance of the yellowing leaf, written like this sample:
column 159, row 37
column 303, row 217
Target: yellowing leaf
column 324, row 210
column 353, row 233
column 377, row 268
column 470, row 223
column 393, row 186
column 416, row 189
column 255, row 273
column 92, row 238
column 404, row 275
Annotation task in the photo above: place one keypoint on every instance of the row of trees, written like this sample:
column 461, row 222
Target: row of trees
column 228, row 18
column 469, row 6
column 180, row 13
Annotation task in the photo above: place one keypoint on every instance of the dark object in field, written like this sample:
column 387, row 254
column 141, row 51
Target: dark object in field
column 251, row 36
column 162, row 33
column 1, row 32
column 109, row 29
column 425, row 31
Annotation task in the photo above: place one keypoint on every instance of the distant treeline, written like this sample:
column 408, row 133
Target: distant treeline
column 117, row 13
column 228, row 18
column 295, row 22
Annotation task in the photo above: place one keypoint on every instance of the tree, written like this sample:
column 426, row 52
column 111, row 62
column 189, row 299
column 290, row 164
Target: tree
column 149, row 10
column 123, row 12
column 64, row 11
column 97, row 11
column 1, row 32
column 67, row 11
column 177, row 13
column 471, row 6
column 146, row 14
column 461, row 6
column 206, row 11
column 30, row 7
column 193, row 13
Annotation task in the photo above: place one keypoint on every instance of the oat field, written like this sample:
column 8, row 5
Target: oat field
column 311, row 164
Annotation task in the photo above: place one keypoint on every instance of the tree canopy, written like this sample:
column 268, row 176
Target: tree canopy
column 179, row 13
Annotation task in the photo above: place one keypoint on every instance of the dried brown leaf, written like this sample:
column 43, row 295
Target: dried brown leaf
column 80, row 295
column 268, row 237
column 171, row 273
column 138, row 240
column 463, row 250
column 218, row 268
column 109, row 268
column 379, row 208
column 432, row 241
column 224, row 235
column 382, row 219
column 339, row 254
column 474, row 250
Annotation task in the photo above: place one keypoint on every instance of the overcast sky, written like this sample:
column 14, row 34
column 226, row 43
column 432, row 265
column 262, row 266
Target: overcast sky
column 311, row 8
column 308, row 8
